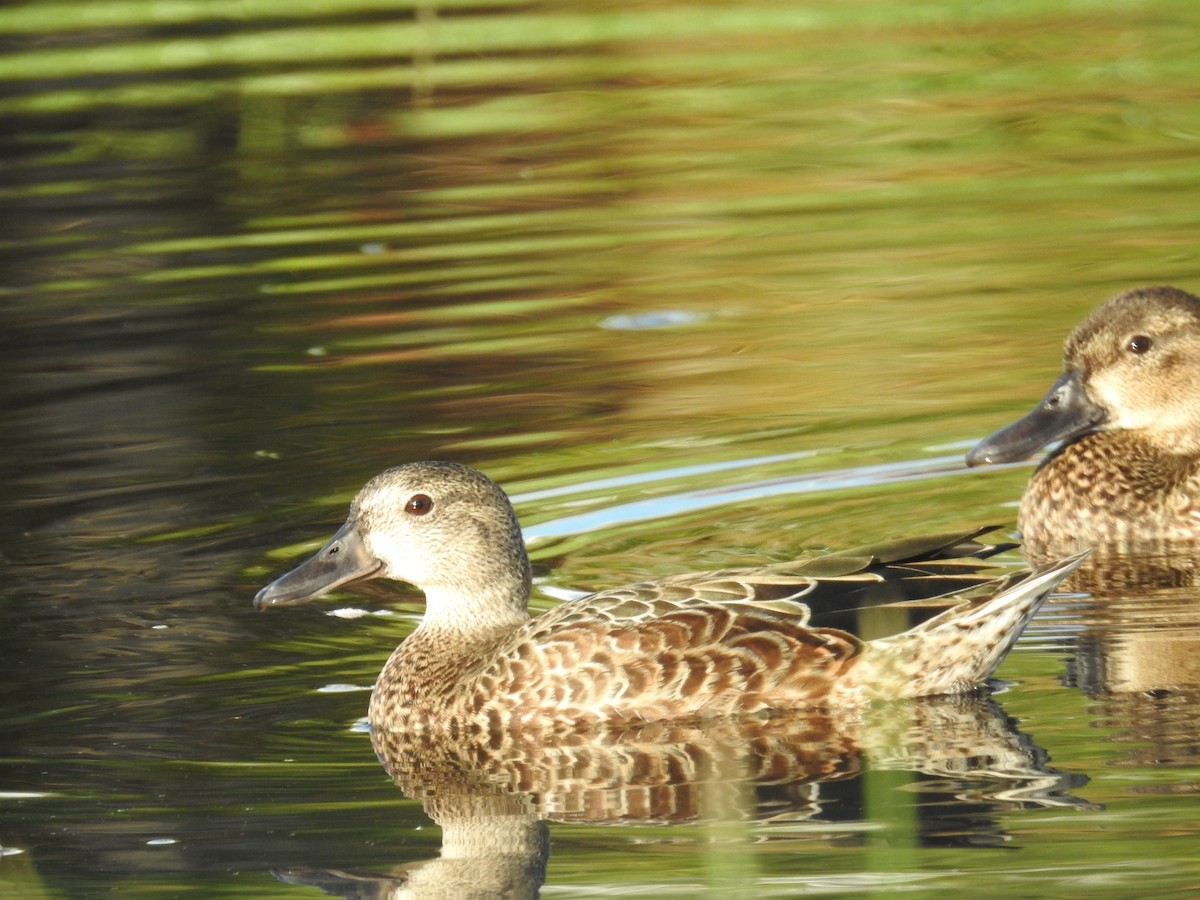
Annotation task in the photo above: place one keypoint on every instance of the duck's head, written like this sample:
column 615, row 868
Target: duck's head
column 443, row 527
column 1132, row 365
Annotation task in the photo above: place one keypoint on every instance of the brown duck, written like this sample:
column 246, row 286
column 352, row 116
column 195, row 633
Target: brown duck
column 1127, row 409
column 715, row 643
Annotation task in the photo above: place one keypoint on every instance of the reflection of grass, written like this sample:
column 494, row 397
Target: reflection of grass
column 731, row 864
column 891, row 843
column 19, row 877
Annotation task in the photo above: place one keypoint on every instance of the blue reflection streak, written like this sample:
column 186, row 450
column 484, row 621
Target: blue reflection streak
column 692, row 501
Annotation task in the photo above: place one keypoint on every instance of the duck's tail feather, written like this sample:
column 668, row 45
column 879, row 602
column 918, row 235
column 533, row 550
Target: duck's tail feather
column 959, row 649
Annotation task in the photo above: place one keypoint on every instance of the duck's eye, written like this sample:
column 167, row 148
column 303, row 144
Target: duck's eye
column 1139, row 344
column 418, row 504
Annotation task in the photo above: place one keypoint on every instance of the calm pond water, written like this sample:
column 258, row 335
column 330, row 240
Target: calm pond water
column 699, row 284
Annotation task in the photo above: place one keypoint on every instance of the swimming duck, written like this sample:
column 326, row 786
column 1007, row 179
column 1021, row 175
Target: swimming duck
column 1127, row 409
column 708, row 644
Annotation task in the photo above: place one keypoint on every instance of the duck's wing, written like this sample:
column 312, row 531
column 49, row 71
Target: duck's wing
column 907, row 569
column 668, row 649
column 712, row 643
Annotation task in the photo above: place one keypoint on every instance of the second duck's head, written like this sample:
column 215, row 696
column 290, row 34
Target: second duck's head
column 1132, row 365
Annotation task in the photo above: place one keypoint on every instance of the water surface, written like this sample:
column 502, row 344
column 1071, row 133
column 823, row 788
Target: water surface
column 699, row 284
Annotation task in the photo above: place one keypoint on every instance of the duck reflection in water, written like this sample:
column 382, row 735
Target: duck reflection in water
column 1137, row 656
column 655, row 701
column 795, row 775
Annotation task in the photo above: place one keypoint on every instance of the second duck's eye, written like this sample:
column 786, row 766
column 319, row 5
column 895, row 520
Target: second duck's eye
column 1139, row 344
column 418, row 504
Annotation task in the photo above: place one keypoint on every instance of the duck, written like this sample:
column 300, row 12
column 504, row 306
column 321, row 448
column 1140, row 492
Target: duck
column 1125, row 474
column 739, row 641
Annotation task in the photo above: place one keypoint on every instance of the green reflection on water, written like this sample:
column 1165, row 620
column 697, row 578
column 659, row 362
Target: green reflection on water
column 882, row 219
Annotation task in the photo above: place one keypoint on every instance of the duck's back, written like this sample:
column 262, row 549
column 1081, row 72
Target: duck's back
column 701, row 645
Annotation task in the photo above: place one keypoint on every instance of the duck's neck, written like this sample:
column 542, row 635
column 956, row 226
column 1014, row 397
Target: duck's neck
column 428, row 679
column 499, row 606
column 1117, row 468
column 1112, row 490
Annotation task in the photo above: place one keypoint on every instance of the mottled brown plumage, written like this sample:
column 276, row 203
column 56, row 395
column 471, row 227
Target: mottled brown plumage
column 1127, row 406
column 711, row 644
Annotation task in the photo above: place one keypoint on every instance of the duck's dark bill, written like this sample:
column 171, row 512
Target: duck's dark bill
column 1064, row 413
column 343, row 560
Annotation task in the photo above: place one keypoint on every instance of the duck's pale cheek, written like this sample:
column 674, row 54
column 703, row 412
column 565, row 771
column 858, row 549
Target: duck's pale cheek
column 1167, row 411
column 1108, row 391
column 389, row 550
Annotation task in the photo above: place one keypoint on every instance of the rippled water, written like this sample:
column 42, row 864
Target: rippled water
column 699, row 284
